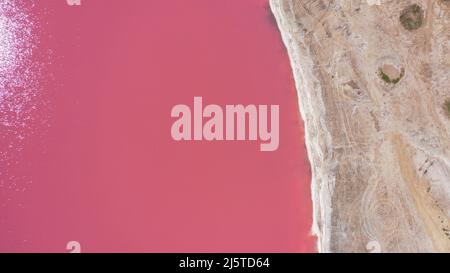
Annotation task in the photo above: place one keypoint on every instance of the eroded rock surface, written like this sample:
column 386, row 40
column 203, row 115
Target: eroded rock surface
column 374, row 93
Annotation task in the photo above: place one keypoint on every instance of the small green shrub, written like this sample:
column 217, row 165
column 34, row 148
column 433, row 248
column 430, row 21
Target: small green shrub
column 387, row 79
column 447, row 107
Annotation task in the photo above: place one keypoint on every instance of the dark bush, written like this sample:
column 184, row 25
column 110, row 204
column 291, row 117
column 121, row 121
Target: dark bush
column 447, row 107
column 412, row 17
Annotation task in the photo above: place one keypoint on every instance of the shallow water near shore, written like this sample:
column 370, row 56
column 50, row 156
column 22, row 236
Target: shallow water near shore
column 103, row 169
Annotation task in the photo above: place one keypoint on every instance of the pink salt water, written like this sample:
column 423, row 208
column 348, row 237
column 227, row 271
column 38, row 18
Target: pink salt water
column 98, row 164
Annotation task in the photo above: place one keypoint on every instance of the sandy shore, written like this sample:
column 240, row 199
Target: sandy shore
column 373, row 83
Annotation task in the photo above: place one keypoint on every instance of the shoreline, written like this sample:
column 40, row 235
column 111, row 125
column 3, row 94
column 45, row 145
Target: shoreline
column 320, row 196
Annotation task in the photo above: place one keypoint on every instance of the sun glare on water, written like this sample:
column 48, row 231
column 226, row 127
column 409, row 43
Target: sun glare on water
column 19, row 82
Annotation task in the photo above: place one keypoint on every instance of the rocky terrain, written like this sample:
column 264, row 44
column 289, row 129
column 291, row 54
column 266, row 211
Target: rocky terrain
column 373, row 78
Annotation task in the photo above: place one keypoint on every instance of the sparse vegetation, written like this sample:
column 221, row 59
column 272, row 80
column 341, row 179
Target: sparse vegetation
column 384, row 77
column 447, row 107
column 412, row 17
column 387, row 79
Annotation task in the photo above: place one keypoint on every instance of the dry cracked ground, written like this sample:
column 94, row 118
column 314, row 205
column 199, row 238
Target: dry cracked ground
column 373, row 78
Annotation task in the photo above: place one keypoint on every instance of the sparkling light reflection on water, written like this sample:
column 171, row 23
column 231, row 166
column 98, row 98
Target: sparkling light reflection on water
column 19, row 91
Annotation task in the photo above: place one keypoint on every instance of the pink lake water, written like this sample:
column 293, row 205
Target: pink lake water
column 95, row 161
